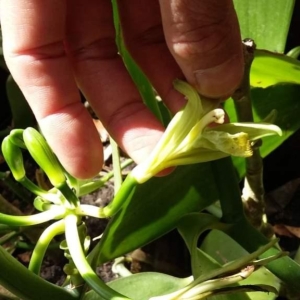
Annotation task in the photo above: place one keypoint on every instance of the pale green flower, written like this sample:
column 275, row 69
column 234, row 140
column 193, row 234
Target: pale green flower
column 188, row 140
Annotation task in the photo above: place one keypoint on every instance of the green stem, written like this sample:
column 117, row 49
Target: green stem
column 253, row 192
column 241, row 96
column 69, row 194
column 116, row 165
column 229, row 192
column 81, row 263
column 40, row 249
column 53, row 213
column 127, row 188
column 141, row 81
column 90, row 210
column 29, row 185
column 94, row 185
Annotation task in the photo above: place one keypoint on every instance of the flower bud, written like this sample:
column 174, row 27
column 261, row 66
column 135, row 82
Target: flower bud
column 43, row 155
column 14, row 158
column 16, row 137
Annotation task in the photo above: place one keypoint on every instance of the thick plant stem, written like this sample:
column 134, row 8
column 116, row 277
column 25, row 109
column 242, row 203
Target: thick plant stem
column 81, row 263
column 123, row 194
column 116, row 165
column 42, row 245
column 91, row 186
column 45, row 216
column 253, row 192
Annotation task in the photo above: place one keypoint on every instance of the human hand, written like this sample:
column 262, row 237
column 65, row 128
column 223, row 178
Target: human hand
column 52, row 47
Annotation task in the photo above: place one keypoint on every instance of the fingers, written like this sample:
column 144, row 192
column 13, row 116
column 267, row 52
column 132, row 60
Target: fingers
column 33, row 35
column 204, row 38
column 145, row 40
column 104, row 80
column 70, row 40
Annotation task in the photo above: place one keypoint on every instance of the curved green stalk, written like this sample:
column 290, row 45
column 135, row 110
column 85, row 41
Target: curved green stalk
column 40, row 249
column 69, row 194
column 53, row 213
column 29, row 286
column 294, row 53
column 41, row 205
column 83, row 266
column 35, row 189
column 116, row 165
column 90, row 210
column 123, row 194
column 91, row 186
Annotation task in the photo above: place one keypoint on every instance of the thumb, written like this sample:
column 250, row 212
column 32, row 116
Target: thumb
column 204, row 38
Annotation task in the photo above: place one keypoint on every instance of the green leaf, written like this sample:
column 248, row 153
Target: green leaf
column 29, row 286
column 270, row 68
column 190, row 228
column 143, row 286
column 241, row 231
column 217, row 249
column 265, row 21
column 222, row 248
column 139, row 78
column 284, row 99
column 155, row 208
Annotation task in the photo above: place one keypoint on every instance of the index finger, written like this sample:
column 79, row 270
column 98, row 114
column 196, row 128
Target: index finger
column 33, row 44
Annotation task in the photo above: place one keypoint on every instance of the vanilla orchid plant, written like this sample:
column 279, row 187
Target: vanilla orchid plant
column 189, row 138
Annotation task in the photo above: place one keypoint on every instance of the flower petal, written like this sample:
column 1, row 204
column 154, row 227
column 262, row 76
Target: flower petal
column 215, row 116
column 254, row 130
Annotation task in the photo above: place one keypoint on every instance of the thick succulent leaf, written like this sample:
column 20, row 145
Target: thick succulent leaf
column 190, row 228
column 270, row 68
column 217, row 249
column 265, row 21
column 26, row 285
column 222, row 248
column 143, row 286
column 145, row 88
column 155, row 208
